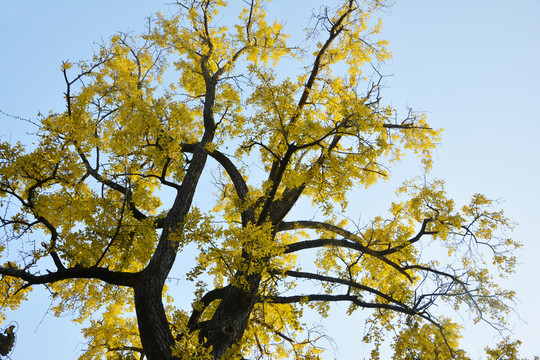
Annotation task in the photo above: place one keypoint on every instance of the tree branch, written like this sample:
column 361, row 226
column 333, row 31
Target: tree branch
column 136, row 213
column 236, row 177
column 412, row 240
column 77, row 272
column 334, row 298
column 357, row 244
column 331, row 279
column 207, row 299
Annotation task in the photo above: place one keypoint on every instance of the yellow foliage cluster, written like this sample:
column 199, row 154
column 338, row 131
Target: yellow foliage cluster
column 97, row 184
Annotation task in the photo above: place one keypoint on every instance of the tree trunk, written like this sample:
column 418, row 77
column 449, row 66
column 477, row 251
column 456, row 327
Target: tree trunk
column 154, row 330
column 230, row 319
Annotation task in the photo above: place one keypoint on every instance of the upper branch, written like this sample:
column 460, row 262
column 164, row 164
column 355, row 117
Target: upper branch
column 334, row 298
column 86, row 72
column 335, row 280
column 356, row 242
column 275, row 181
column 136, row 213
column 279, row 166
column 318, row 243
column 412, row 240
column 235, row 176
column 336, row 29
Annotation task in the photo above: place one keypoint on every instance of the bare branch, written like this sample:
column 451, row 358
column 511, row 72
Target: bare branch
column 335, row 298
column 335, row 280
column 305, row 224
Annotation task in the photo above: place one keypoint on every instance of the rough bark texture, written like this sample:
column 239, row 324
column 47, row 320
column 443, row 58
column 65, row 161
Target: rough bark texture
column 230, row 320
column 156, row 337
column 154, row 329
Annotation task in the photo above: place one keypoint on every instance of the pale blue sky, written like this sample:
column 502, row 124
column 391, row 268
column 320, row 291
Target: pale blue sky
column 472, row 65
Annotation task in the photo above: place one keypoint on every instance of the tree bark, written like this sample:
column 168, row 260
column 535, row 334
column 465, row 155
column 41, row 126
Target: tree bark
column 231, row 317
column 154, row 330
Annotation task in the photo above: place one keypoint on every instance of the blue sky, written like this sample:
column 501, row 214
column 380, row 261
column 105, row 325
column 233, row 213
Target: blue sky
column 471, row 65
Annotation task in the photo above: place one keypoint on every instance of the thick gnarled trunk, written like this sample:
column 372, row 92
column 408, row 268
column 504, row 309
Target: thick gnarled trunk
column 230, row 320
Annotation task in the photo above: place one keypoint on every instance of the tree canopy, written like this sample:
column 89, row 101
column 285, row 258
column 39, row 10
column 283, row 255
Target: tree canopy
column 106, row 195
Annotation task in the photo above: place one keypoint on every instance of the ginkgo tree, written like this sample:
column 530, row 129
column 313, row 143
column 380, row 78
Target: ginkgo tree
column 106, row 194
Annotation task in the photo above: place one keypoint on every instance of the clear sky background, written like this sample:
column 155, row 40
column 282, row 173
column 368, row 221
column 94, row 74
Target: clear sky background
column 471, row 65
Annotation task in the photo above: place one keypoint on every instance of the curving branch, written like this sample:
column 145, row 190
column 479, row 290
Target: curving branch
column 318, row 243
column 335, row 280
column 248, row 215
column 412, row 240
column 207, row 299
column 77, row 272
column 334, row 298
column 136, row 213
column 355, row 244
column 406, row 127
column 437, row 272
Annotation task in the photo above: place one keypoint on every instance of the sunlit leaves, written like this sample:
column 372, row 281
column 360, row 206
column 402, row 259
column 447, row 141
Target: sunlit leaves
column 109, row 186
column 506, row 350
column 419, row 341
